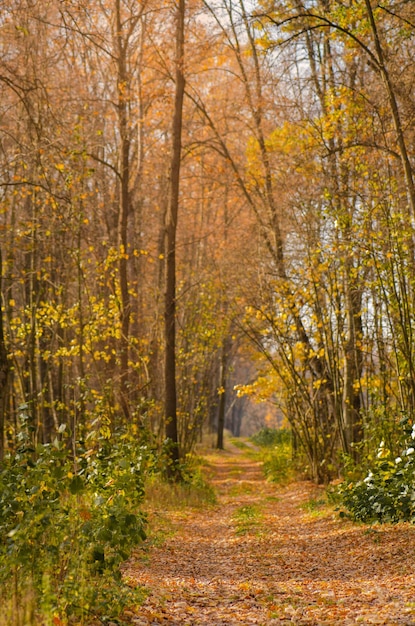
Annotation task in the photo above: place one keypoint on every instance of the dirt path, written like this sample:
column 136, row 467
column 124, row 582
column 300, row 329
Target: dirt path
column 269, row 555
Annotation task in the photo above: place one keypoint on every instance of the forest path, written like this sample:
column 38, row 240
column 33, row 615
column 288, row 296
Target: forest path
column 267, row 554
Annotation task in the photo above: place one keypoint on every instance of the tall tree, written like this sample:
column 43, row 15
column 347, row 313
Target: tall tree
column 4, row 368
column 170, row 247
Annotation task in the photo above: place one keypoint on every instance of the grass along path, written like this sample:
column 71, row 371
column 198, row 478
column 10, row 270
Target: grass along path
column 272, row 555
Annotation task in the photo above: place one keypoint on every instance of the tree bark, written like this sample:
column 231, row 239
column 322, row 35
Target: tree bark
column 124, row 211
column 4, row 372
column 171, row 428
column 222, row 396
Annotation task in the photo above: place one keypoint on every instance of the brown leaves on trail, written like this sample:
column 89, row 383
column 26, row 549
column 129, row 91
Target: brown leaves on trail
column 259, row 557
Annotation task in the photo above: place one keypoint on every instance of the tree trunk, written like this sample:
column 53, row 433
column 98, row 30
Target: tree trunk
column 222, row 395
column 400, row 138
column 123, row 96
column 4, row 373
column 171, row 228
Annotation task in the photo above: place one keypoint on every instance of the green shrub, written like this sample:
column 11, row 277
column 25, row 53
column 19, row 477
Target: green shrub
column 270, row 437
column 193, row 490
column 66, row 526
column 278, row 464
column 387, row 493
column 276, row 453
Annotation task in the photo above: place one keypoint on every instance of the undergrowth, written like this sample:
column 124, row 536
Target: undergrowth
column 238, row 443
column 275, row 453
column 246, row 519
column 66, row 525
column 193, row 490
column 387, row 492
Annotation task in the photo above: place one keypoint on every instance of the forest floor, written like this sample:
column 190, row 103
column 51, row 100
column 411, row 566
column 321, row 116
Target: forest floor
column 269, row 554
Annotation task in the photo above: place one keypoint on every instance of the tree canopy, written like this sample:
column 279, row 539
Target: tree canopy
column 292, row 198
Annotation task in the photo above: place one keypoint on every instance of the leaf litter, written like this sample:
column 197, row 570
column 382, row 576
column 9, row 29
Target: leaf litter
column 289, row 565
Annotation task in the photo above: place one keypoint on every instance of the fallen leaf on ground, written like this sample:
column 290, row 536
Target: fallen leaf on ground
column 290, row 567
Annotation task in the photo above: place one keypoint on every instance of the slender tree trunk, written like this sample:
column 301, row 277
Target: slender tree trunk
column 226, row 347
column 352, row 372
column 400, row 137
column 4, row 372
column 171, row 228
column 123, row 97
column 222, row 396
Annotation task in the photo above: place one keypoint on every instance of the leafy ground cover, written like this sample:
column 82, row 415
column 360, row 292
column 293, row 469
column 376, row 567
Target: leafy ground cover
column 270, row 554
column 66, row 525
column 387, row 493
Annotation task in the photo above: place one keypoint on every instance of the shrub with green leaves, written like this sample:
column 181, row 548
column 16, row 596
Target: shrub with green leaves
column 276, row 453
column 67, row 524
column 270, row 437
column 387, row 493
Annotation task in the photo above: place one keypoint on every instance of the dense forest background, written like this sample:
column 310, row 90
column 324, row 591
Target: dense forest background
column 295, row 233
